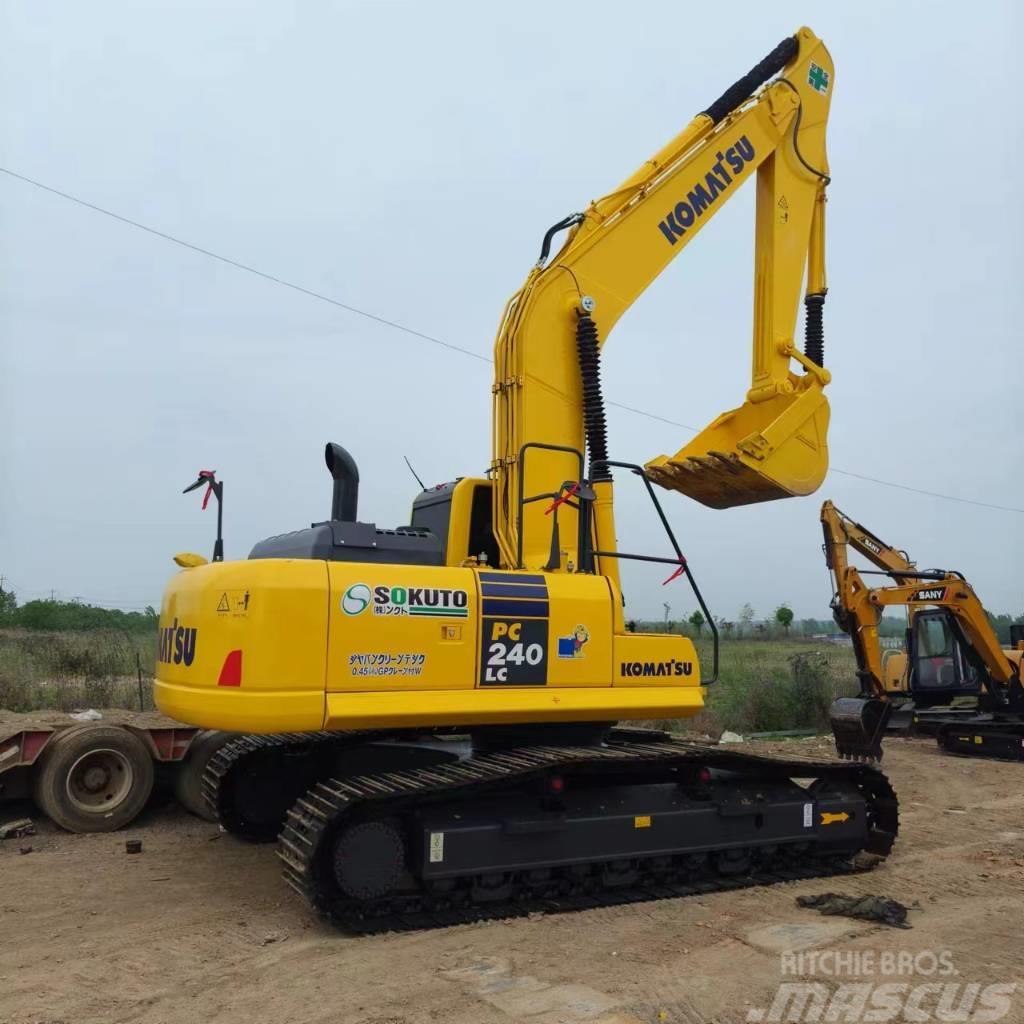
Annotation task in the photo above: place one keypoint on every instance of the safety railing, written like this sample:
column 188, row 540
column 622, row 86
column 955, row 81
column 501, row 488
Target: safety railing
column 588, row 550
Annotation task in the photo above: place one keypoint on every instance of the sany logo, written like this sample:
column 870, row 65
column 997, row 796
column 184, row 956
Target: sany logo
column 930, row 594
column 356, row 599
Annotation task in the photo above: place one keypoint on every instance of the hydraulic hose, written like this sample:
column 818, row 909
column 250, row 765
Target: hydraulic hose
column 753, row 79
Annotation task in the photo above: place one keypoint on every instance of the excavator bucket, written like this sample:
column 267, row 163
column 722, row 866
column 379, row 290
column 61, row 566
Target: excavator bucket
column 858, row 724
column 758, row 452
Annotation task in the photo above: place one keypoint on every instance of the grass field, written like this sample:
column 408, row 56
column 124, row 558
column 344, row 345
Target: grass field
column 773, row 685
column 42, row 671
column 764, row 685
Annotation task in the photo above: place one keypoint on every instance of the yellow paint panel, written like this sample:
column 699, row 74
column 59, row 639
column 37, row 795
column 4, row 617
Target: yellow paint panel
column 275, row 615
column 241, row 710
column 655, row 659
column 496, row 705
column 580, row 617
column 400, row 628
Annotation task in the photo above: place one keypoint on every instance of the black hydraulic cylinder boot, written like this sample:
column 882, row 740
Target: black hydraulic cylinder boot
column 814, row 328
column 746, row 86
column 595, row 424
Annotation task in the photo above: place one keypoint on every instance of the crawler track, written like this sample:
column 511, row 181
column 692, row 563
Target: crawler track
column 306, row 839
column 228, row 770
column 983, row 736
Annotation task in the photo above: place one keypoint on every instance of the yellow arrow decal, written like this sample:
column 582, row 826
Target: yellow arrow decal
column 828, row 818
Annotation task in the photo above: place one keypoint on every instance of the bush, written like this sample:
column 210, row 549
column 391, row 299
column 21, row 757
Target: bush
column 73, row 616
column 64, row 671
column 773, row 686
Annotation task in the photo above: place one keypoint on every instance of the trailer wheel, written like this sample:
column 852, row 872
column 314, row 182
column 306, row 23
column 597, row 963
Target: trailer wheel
column 188, row 782
column 93, row 779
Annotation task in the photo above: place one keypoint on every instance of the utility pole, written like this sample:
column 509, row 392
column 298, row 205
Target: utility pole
column 668, row 608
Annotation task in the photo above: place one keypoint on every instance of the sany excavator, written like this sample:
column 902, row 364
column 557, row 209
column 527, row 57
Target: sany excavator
column 952, row 652
column 888, row 666
column 431, row 710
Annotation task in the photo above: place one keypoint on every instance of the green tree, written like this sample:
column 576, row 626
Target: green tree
column 746, row 617
column 784, row 617
column 57, row 616
column 697, row 621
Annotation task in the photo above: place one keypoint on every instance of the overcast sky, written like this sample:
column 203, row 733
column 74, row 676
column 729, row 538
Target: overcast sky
column 406, row 158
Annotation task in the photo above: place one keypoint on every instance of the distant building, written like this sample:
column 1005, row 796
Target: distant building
column 838, row 639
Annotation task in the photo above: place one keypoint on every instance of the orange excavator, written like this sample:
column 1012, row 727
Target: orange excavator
column 952, row 652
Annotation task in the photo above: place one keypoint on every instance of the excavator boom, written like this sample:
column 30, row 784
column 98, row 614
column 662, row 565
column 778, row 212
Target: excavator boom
column 546, row 357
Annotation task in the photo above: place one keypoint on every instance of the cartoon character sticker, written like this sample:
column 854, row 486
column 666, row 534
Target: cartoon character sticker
column 572, row 646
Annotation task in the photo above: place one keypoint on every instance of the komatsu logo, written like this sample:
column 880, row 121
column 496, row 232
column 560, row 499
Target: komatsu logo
column 929, row 594
column 177, row 644
column 704, row 193
column 656, row 668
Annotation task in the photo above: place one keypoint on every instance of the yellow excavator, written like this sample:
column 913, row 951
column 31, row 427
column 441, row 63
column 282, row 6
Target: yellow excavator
column 952, row 653
column 430, row 711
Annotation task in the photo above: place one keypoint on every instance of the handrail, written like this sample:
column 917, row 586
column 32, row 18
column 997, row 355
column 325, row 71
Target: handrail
column 521, row 501
column 679, row 560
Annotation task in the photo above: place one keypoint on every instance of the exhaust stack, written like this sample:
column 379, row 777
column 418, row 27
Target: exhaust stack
column 345, row 497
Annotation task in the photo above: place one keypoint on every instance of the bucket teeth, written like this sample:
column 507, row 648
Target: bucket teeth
column 764, row 450
column 717, row 479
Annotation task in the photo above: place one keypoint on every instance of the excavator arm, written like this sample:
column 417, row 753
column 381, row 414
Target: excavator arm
column 547, row 397
column 841, row 531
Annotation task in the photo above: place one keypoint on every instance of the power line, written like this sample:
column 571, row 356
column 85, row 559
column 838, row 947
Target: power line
column 930, row 494
column 52, row 594
column 243, row 266
column 311, row 293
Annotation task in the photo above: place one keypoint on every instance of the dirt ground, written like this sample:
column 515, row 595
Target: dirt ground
column 200, row 927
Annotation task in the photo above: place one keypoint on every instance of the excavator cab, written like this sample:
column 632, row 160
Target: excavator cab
column 759, row 452
column 940, row 668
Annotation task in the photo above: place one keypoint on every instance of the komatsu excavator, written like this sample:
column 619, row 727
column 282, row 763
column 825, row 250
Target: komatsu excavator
column 431, row 710
column 951, row 652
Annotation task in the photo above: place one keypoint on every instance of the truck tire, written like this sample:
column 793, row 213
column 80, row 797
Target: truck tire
column 93, row 778
column 188, row 781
